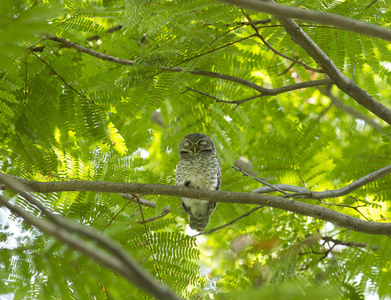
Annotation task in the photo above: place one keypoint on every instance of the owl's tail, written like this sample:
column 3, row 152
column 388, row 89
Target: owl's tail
column 199, row 223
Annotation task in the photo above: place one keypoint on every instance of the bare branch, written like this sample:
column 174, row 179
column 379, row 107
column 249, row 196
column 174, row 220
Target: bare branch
column 231, row 222
column 60, row 228
column 314, row 16
column 256, row 22
column 273, row 187
column 328, row 194
column 223, row 101
column 86, row 50
column 306, row 209
column 116, row 215
column 284, row 187
column 144, row 202
column 164, row 213
column 269, row 92
column 244, row 82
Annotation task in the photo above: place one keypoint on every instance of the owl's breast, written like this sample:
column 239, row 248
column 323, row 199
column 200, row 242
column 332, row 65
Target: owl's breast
column 198, row 172
column 199, row 178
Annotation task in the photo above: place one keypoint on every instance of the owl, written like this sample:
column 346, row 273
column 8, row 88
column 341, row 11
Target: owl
column 198, row 167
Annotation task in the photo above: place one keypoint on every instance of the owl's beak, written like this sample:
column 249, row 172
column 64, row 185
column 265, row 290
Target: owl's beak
column 195, row 149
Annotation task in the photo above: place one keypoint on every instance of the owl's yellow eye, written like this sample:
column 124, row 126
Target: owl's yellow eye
column 186, row 144
column 203, row 143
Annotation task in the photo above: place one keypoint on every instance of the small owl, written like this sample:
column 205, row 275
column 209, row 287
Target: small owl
column 198, row 167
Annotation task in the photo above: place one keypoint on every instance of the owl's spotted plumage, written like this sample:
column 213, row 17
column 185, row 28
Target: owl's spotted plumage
column 198, row 167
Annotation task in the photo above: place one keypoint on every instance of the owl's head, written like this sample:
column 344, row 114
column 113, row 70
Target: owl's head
column 196, row 143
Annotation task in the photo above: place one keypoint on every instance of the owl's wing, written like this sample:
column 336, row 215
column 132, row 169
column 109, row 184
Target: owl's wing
column 185, row 208
column 218, row 175
column 211, row 208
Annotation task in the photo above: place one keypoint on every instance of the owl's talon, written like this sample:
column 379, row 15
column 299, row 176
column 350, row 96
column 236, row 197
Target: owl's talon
column 188, row 183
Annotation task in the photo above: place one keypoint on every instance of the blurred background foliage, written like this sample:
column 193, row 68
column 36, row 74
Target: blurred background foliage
column 66, row 115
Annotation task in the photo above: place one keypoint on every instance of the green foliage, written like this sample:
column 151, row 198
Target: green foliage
column 66, row 115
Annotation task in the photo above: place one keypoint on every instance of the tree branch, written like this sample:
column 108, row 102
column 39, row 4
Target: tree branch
column 163, row 214
column 171, row 69
column 303, row 40
column 231, row 222
column 314, row 16
column 89, row 51
column 60, row 228
column 348, row 244
column 306, row 209
column 262, row 90
column 273, row 187
column 300, row 191
column 144, row 202
column 269, row 92
column 274, row 50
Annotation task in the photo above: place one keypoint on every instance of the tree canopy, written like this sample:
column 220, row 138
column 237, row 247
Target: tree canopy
column 95, row 97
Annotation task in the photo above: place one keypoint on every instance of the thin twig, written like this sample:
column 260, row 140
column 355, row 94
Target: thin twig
column 370, row 4
column 149, row 240
column 116, row 215
column 223, row 101
column 62, row 79
column 259, row 180
column 274, row 50
column 144, row 202
column 324, row 111
column 256, row 22
column 354, row 68
column 164, row 213
column 268, row 92
column 86, row 50
column 287, row 69
column 231, row 222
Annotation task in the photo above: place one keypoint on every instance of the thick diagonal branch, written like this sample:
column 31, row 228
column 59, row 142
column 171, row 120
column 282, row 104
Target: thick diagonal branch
column 306, row 209
column 314, row 16
column 327, row 65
